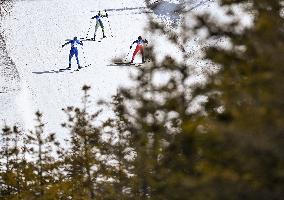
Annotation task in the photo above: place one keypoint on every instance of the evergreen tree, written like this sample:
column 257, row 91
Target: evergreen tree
column 40, row 148
column 201, row 153
column 243, row 153
column 156, row 112
column 9, row 160
column 83, row 162
column 119, row 151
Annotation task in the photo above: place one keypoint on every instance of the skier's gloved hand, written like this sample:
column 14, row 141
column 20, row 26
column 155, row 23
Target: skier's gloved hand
column 62, row 45
column 146, row 41
column 106, row 15
column 130, row 47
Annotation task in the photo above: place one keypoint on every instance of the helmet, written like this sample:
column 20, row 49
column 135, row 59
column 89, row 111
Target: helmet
column 75, row 38
column 139, row 38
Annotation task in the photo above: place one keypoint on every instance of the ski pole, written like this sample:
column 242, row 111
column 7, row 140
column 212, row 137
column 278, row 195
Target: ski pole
column 127, row 55
column 84, row 57
column 111, row 33
column 89, row 28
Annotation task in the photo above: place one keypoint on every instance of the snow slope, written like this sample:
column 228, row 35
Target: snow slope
column 9, row 85
column 35, row 32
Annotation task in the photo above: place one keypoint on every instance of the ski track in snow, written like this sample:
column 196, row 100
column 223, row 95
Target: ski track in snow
column 35, row 32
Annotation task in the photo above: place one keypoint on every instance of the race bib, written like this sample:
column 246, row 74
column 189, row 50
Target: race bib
column 75, row 44
column 140, row 42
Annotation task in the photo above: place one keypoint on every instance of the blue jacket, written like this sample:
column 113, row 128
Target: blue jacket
column 99, row 16
column 140, row 42
column 74, row 43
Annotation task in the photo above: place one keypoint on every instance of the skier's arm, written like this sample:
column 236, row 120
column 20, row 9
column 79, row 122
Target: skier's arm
column 146, row 41
column 133, row 43
column 94, row 17
column 66, row 43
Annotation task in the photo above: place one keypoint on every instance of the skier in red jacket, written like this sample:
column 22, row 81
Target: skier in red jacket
column 140, row 47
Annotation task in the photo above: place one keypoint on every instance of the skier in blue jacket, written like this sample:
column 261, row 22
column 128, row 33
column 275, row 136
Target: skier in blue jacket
column 73, row 51
column 99, row 22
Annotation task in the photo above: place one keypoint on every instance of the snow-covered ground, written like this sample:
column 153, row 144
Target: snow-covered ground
column 35, row 32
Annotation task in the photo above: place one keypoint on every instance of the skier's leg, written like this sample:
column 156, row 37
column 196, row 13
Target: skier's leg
column 96, row 28
column 77, row 59
column 135, row 52
column 70, row 57
column 102, row 26
column 142, row 53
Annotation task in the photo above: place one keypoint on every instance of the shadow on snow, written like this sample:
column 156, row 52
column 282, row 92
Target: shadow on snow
column 52, row 71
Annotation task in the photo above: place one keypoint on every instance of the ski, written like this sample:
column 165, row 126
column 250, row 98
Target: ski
column 124, row 63
column 64, row 69
column 127, row 64
column 78, row 69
